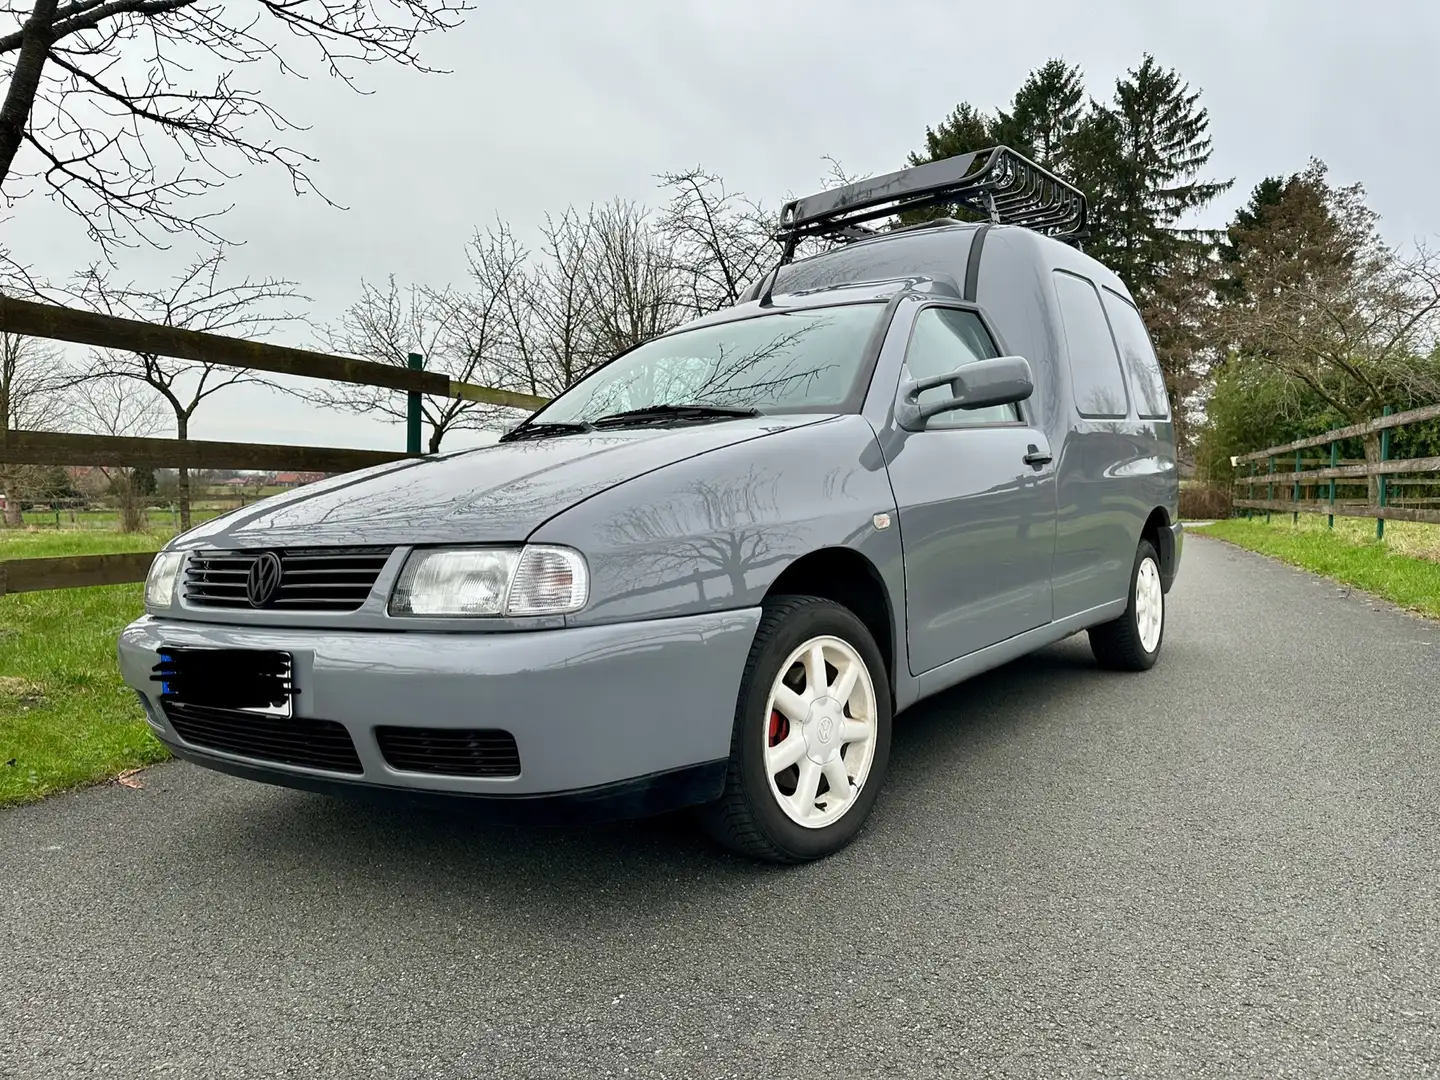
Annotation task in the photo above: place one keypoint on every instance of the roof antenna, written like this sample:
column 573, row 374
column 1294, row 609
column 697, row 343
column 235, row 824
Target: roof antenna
column 766, row 298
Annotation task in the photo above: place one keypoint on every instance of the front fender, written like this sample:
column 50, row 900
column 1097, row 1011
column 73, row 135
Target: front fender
column 713, row 532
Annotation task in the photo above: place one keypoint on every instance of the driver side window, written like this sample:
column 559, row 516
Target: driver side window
column 945, row 339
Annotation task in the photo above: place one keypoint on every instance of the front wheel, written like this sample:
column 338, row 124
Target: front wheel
column 811, row 737
column 1132, row 642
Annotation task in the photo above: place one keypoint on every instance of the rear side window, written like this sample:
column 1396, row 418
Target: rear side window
column 945, row 339
column 1094, row 364
column 1138, row 355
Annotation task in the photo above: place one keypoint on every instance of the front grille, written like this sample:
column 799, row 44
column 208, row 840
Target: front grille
column 314, row 744
column 312, row 579
column 449, row 752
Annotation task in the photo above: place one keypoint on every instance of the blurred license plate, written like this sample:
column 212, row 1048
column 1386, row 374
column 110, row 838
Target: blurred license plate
column 259, row 681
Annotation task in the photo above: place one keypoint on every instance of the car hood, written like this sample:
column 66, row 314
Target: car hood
column 498, row 493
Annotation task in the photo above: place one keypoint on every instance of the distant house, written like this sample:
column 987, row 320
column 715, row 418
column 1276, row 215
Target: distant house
column 235, row 482
column 295, row 479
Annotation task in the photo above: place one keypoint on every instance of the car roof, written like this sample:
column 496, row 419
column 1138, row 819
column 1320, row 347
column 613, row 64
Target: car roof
column 932, row 260
column 858, row 292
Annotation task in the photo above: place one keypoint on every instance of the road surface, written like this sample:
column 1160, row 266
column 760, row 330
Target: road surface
column 1226, row 867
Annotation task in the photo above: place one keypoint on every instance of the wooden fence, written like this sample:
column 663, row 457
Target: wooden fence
column 129, row 335
column 1315, row 482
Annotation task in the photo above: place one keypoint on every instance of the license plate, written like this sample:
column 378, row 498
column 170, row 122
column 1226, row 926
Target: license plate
column 259, row 681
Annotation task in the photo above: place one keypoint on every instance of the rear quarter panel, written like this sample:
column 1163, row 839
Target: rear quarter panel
column 1111, row 474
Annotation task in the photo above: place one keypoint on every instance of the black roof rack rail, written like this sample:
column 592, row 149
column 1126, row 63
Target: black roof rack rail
column 1006, row 186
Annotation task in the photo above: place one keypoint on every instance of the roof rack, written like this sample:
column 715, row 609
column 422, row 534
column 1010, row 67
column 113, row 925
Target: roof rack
column 1007, row 187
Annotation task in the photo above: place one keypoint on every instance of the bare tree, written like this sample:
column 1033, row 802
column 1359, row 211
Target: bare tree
column 29, row 401
column 499, row 310
column 109, row 105
column 721, row 240
column 119, row 407
column 601, row 281
column 197, row 299
column 1324, row 301
column 560, row 346
column 452, row 333
column 629, row 279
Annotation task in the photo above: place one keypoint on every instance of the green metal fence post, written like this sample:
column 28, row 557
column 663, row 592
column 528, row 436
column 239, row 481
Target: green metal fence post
column 1334, row 461
column 1384, row 486
column 1269, row 492
column 413, row 414
column 1295, row 494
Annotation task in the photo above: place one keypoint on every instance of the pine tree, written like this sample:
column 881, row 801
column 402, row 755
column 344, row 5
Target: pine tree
column 1139, row 160
column 1267, row 202
column 1045, row 114
column 966, row 129
column 1162, row 136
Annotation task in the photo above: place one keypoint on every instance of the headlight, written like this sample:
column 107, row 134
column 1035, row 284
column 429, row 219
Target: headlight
column 533, row 580
column 160, row 582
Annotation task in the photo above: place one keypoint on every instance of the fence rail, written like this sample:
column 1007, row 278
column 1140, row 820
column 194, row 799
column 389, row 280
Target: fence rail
column 56, row 323
column 51, row 448
column 1330, row 474
column 1384, row 423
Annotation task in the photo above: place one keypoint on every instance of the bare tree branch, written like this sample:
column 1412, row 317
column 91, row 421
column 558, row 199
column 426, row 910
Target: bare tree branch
column 386, row 325
column 1326, row 302
column 103, row 106
column 721, row 241
column 197, row 299
column 30, row 399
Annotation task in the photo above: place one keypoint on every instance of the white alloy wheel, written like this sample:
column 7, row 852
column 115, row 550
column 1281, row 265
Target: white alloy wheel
column 1149, row 604
column 821, row 731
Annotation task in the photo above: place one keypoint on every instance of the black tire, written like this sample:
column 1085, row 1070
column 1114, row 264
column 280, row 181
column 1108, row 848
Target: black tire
column 747, row 819
column 1116, row 645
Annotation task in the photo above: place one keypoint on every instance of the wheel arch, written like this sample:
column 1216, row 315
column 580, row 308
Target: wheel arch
column 1157, row 530
column 846, row 577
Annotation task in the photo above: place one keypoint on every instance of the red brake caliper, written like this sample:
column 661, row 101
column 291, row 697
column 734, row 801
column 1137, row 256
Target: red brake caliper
column 779, row 728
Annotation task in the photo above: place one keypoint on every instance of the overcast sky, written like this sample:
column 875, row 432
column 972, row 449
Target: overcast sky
column 560, row 102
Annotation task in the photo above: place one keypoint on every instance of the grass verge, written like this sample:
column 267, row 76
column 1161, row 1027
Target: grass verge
column 65, row 717
column 1411, row 581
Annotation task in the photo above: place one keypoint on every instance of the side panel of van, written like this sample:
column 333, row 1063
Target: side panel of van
column 1114, row 457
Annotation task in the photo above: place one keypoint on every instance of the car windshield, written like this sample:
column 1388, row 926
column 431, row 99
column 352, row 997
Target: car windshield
column 772, row 363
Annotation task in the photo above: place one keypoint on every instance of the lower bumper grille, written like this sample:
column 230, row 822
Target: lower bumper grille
column 312, row 744
column 449, row 752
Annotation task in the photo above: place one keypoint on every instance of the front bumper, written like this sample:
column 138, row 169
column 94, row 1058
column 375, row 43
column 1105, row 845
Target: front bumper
column 638, row 714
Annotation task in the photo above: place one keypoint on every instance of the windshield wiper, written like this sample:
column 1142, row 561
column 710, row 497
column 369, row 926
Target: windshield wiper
column 658, row 414
column 541, row 430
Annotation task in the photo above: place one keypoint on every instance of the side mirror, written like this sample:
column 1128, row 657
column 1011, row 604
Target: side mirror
column 1002, row 380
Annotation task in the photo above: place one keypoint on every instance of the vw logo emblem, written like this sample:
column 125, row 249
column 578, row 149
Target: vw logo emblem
column 263, row 581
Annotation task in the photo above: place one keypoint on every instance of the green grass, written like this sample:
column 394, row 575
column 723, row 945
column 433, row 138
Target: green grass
column 46, row 543
column 107, row 521
column 65, row 717
column 1398, row 569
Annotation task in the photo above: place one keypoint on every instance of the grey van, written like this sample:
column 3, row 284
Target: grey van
column 712, row 572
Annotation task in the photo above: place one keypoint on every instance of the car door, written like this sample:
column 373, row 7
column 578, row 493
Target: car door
column 975, row 496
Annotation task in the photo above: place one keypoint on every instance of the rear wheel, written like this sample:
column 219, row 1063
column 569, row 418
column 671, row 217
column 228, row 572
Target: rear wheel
column 1132, row 642
column 811, row 738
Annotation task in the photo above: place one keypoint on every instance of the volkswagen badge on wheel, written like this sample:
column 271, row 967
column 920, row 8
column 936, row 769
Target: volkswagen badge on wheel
column 263, row 581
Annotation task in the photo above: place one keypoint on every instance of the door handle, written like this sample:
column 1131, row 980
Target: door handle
column 1035, row 456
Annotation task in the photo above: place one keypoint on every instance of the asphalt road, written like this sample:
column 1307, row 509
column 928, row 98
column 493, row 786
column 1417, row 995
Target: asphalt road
column 1225, row 867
